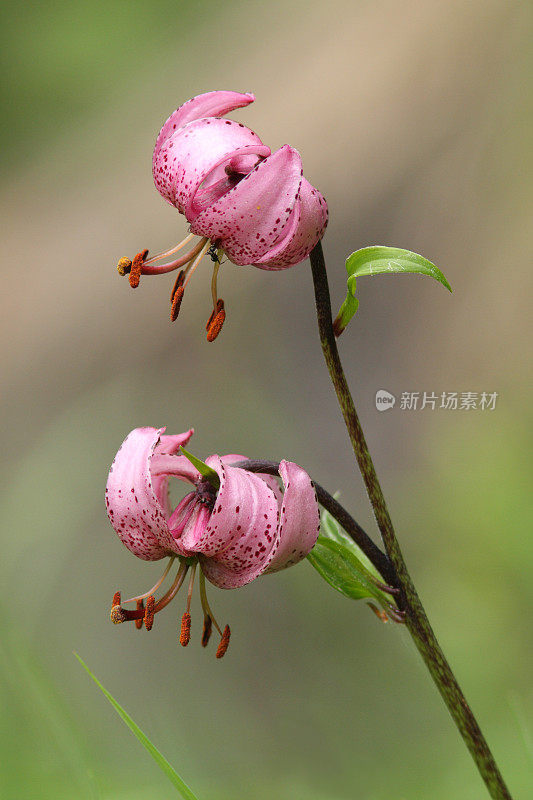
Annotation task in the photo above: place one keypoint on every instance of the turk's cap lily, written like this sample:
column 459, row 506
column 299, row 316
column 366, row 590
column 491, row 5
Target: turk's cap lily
column 241, row 199
column 245, row 528
column 256, row 205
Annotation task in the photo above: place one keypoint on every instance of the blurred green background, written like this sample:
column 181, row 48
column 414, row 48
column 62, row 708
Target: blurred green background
column 414, row 120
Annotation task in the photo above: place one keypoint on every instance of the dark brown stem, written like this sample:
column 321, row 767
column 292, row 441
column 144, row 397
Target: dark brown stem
column 409, row 601
column 345, row 520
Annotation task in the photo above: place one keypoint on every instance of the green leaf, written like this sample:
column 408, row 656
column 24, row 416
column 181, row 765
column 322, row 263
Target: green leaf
column 331, row 529
column 208, row 473
column 338, row 565
column 160, row 759
column 377, row 260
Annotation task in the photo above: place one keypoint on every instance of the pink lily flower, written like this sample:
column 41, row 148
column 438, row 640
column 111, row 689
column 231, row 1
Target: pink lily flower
column 245, row 528
column 238, row 197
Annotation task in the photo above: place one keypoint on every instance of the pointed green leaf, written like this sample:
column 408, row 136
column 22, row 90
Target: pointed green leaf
column 330, row 528
column 160, row 759
column 343, row 570
column 208, row 473
column 377, row 260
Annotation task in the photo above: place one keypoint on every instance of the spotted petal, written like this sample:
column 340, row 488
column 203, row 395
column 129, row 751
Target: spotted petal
column 249, row 219
column 304, row 229
column 187, row 157
column 210, row 104
column 238, row 538
column 299, row 519
column 135, row 507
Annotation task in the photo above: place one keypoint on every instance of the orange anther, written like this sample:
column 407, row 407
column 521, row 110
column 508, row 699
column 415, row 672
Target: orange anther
column 178, row 282
column 206, row 633
column 136, row 268
column 116, row 599
column 216, row 322
column 176, row 303
column 149, row 612
column 139, row 622
column 219, row 306
column 185, row 633
column 224, row 642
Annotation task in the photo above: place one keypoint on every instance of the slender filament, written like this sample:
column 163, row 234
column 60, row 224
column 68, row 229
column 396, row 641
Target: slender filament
column 172, row 250
column 205, row 247
column 150, row 269
column 205, row 605
column 156, row 586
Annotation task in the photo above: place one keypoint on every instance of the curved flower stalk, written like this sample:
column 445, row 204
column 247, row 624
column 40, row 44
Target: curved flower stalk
column 237, row 196
column 245, row 527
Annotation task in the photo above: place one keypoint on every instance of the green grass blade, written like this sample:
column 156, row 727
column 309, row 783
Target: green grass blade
column 160, row 759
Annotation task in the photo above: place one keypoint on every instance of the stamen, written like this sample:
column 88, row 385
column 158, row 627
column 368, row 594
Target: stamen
column 116, row 599
column 119, row 614
column 174, row 589
column 209, row 620
column 175, row 249
column 201, row 254
column 178, row 282
column 216, row 268
column 160, row 269
column 124, row 266
column 217, row 322
column 224, row 642
column 139, row 622
column 149, row 612
column 154, row 588
column 206, row 632
column 218, row 307
column 136, row 268
column 191, row 585
column 185, row 633
column 176, row 302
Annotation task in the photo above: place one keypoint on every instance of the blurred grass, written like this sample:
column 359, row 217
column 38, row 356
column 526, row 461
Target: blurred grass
column 423, row 142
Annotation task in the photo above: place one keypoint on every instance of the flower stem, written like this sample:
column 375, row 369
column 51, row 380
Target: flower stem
column 409, row 601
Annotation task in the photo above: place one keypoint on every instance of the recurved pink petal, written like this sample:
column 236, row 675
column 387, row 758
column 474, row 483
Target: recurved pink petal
column 233, row 458
column 168, row 445
column 210, row 104
column 305, row 228
column 222, row 177
column 299, row 519
column 187, row 157
column 133, row 507
column 238, row 538
column 249, row 218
